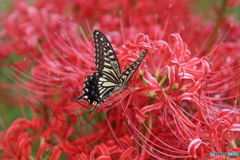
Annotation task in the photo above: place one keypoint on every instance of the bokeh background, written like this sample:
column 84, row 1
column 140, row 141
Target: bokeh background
column 8, row 113
column 203, row 8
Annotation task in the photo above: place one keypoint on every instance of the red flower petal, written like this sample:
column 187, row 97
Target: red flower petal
column 149, row 78
column 125, row 139
column 43, row 148
column 127, row 152
column 55, row 154
column 194, row 148
column 81, row 156
column 225, row 113
column 104, row 158
column 235, row 127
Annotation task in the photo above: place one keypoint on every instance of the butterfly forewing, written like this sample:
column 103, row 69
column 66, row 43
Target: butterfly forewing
column 107, row 64
column 106, row 60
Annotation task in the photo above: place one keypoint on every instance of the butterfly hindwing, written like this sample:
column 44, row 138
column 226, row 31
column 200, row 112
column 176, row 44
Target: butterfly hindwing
column 128, row 73
column 91, row 91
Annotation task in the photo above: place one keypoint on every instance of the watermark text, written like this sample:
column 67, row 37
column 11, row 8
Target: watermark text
column 213, row 154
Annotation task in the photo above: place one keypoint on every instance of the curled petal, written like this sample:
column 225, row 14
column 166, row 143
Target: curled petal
column 140, row 113
column 193, row 62
column 100, row 149
column 125, row 139
column 149, row 78
column 104, row 158
column 176, row 42
column 55, row 154
column 82, row 156
column 195, row 146
column 130, row 46
column 179, row 48
column 140, row 37
column 185, row 96
column 13, row 129
column 152, row 107
column 196, row 87
column 143, row 45
column 225, row 113
column 43, row 148
column 37, row 123
column 24, row 147
column 174, row 62
column 127, row 152
column 68, row 148
column 205, row 65
column 48, row 133
column 184, row 75
column 235, row 127
column 23, row 122
column 142, row 117
column 103, row 148
column 150, row 88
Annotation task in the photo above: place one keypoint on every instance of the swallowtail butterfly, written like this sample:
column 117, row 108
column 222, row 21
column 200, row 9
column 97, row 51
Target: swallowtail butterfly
column 109, row 79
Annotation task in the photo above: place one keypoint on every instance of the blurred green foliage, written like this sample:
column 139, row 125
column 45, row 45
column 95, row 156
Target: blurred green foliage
column 5, row 6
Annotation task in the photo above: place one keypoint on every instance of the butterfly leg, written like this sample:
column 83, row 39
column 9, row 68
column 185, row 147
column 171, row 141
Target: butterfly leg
column 95, row 108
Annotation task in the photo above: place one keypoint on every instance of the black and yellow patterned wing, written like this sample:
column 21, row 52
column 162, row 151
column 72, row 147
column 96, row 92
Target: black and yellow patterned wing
column 106, row 59
column 99, row 85
column 128, row 73
column 109, row 79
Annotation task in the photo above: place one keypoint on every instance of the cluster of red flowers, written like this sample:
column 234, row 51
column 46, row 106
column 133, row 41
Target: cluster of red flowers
column 183, row 102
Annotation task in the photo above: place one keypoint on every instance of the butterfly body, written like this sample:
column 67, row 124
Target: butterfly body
column 109, row 79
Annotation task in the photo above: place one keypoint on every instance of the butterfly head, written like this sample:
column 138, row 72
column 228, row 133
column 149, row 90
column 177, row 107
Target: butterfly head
column 91, row 100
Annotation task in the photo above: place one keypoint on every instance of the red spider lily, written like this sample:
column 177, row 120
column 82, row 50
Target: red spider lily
column 183, row 102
